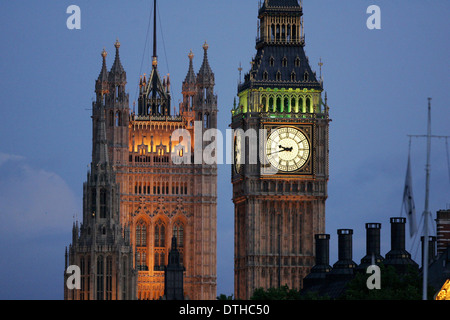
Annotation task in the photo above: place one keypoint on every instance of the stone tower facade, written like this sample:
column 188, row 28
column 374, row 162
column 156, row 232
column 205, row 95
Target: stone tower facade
column 165, row 190
column 101, row 246
column 157, row 185
column 280, row 170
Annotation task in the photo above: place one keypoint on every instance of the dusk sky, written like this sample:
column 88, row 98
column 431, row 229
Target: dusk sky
column 377, row 82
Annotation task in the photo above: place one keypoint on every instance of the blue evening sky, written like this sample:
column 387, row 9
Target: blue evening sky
column 377, row 81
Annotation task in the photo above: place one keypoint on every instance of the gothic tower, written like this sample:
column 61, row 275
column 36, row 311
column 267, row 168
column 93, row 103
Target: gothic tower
column 101, row 247
column 147, row 185
column 280, row 169
column 164, row 192
column 117, row 111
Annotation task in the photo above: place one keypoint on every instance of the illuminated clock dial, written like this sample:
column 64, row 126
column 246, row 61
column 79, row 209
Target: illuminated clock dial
column 287, row 149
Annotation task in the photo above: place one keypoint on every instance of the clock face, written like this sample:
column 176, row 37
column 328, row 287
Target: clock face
column 287, row 149
column 237, row 154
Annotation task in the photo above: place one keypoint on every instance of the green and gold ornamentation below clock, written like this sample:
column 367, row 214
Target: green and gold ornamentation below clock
column 288, row 149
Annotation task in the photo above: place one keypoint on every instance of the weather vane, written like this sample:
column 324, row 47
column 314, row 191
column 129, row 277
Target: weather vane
column 240, row 72
column 320, row 65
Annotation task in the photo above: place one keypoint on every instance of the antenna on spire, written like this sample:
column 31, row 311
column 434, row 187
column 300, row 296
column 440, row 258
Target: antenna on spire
column 240, row 72
column 320, row 65
column 155, row 58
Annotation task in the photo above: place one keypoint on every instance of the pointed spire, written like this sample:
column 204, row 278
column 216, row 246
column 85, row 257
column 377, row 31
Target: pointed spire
column 205, row 68
column 101, row 85
column 205, row 73
column 103, row 76
column 168, row 82
column 117, row 68
column 190, row 77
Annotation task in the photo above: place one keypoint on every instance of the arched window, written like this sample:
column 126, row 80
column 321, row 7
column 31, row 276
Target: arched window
column 284, row 62
column 93, row 201
column 297, row 62
column 308, row 105
column 100, row 280
column 124, row 277
column 271, row 61
column 141, row 234
column 265, row 76
column 109, row 264
column 278, row 105
column 206, row 120
column 83, row 278
column 286, row 106
column 141, row 259
column 118, row 119
column 278, row 76
column 102, row 203
column 271, row 104
column 178, row 233
column 111, row 118
column 293, row 76
column 160, row 260
column 306, row 76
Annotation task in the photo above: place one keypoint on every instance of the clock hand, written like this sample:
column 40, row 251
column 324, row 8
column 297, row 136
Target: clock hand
column 276, row 152
column 284, row 149
column 280, row 146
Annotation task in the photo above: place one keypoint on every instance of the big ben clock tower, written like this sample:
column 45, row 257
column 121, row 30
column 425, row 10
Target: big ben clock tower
column 280, row 169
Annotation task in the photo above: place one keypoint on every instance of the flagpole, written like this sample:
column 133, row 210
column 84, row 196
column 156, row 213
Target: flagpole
column 426, row 211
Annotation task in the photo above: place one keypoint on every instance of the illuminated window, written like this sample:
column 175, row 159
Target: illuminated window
column 308, row 105
column 278, row 105
column 141, row 259
column 178, row 233
column 141, row 234
column 160, row 260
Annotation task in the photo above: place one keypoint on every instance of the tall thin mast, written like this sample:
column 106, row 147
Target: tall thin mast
column 426, row 211
column 155, row 58
column 154, row 31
